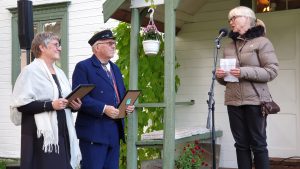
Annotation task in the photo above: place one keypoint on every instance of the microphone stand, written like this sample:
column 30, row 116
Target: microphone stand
column 211, row 105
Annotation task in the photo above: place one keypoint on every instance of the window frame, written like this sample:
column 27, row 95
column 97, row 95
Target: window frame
column 43, row 12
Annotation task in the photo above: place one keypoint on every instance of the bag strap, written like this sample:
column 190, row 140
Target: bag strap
column 237, row 55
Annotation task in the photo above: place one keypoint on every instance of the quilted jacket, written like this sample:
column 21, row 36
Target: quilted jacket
column 258, row 63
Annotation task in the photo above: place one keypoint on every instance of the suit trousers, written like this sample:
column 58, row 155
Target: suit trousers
column 248, row 128
column 99, row 156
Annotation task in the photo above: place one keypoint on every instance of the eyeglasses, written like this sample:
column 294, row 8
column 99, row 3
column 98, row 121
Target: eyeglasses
column 108, row 43
column 57, row 45
column 233, row 18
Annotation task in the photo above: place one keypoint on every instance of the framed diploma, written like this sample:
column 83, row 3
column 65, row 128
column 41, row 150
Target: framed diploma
column 80, row 91
column 129, row 99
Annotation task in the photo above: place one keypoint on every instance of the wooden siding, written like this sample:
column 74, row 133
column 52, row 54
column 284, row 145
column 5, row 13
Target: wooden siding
column 195, row 51
column 85, row 18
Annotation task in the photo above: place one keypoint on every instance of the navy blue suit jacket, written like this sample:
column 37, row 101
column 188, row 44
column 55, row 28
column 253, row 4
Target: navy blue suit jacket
column 91, row 125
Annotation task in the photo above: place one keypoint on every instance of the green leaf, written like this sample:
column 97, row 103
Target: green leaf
column 150, row 81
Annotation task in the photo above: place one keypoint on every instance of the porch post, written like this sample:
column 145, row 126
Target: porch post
column 133, row 84
column 169, row 86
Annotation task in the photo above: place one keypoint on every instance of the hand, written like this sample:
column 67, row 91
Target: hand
column 220, row 73
column 129, row 109
column 59, row 104
column 235, row 72
column 111, row 111
column 75, row 104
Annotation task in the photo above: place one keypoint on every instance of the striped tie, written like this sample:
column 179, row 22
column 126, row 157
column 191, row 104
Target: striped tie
column 113, row 81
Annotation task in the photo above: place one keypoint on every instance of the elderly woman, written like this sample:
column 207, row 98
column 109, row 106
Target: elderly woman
column 48, row 137
column 256, row 66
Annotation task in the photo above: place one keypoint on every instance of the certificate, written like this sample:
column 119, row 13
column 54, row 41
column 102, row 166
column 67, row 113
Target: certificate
column 80, row 91
column 129, row 99
column 226, row 65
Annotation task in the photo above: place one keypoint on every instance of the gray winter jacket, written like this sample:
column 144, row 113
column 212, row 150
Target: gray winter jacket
column 258, row 64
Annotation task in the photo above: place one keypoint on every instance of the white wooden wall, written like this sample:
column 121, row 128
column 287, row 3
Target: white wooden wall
column 9, row 135
column 194, row 52
column 283, row 29
column 85, row 18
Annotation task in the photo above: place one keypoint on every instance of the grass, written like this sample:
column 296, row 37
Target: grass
column 7, row 161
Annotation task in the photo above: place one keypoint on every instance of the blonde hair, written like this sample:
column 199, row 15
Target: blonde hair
column 242, row 11
column 43, row 39
column 261, row 23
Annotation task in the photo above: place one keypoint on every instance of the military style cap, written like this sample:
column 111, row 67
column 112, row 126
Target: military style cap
column 105, row 34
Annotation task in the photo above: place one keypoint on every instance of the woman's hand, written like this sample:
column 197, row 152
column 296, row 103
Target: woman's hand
column 235, row 72
column 59, row 104
column 220, row 73
column 75, row 104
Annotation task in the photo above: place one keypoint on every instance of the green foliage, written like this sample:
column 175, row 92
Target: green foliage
column 151, row 82
column 152, row 3
column 2, row 164
column 151, row 33
column 191, row 157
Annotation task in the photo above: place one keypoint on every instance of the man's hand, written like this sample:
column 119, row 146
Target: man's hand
column 75, row 104
column 130, row 109
column 111, row 111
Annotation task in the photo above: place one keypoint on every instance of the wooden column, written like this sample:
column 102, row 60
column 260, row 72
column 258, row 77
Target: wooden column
column 132, row 135
column 169, row 86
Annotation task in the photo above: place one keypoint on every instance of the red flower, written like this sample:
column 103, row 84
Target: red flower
column 191, row 155
column 204, row 164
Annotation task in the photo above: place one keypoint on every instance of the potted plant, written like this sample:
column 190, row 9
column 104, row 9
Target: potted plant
column 151, row 37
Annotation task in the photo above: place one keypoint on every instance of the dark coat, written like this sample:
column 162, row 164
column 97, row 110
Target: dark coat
column 91, row 124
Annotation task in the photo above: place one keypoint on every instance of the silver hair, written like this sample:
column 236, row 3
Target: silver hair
column 43, row 39
column 243, row 11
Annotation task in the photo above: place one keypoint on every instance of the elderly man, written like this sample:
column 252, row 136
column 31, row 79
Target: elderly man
column 97, row 126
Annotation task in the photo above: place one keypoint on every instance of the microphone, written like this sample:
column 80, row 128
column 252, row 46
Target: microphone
column 222, row 33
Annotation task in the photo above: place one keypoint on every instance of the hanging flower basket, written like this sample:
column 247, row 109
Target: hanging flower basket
column 151, row 47
column 151, row 37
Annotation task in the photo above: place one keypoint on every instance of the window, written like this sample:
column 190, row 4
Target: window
column 276, row 5
column 46, row 17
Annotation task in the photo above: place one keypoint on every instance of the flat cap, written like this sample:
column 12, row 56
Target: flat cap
column 105, row 34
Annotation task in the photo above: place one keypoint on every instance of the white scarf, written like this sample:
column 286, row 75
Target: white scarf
column 35, row 82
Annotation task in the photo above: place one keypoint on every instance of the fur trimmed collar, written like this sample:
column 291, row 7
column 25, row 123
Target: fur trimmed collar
column 251, row 33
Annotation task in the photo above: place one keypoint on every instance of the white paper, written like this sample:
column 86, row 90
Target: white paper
column 226, row 65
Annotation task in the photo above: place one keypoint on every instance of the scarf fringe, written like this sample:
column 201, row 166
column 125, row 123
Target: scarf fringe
column 49, row 142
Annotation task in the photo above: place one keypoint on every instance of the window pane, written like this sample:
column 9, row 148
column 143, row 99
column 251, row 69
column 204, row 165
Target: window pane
column 54, row 26
column 276, row 5
column 35, row 28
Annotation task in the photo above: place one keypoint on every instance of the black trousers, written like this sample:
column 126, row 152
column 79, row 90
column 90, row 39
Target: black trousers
column 248, row 128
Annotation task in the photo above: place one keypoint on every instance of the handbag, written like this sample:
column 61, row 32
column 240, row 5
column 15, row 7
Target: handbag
column 269, row 107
